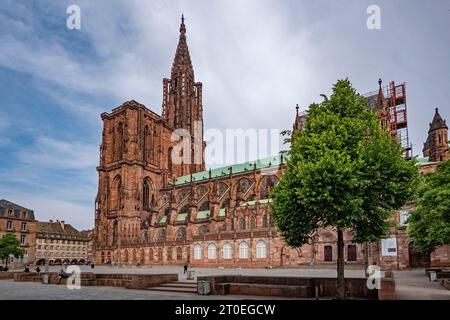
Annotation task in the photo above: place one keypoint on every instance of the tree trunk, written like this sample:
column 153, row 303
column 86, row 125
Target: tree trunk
column 366, row 258
column 340, row 265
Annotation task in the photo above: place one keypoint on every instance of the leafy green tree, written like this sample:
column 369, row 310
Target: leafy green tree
column 429, row 224
column 10, row 245
column 344, row 172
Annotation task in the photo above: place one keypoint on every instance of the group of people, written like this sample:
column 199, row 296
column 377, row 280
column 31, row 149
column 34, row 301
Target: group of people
column 4, row 269
column 27, row 269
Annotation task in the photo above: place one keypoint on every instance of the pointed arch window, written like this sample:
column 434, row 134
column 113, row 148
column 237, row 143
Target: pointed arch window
column 146, row 196
column 197, row 252
column 181, row 234
column 261, row 250
column 179, row 254
column 153, row 147
column 212, row 251
column 169, row 160
column 120, row 142
column 161, row 236
column 265, row 221
column 146, row 148
column 253, row 222
column 242, row 223
column 115, row 193
column 227, row 251
column 243, row 250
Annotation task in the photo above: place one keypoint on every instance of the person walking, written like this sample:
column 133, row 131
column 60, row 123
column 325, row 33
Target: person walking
column 185, row 268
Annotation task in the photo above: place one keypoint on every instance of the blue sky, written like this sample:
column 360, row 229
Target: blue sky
column 256, row 59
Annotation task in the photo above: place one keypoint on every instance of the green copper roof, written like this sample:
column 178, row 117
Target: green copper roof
column 163, row 219
column 253, row 202
column 261, row 164
column 181, row 217
column 203, row 214
column 424, row 161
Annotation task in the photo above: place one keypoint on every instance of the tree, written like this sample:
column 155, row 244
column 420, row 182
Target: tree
column 344, row 172
column 9, row 245
column 429, row 224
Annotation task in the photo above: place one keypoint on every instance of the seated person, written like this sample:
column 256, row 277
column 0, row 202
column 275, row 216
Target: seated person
column 38, row 269
column 1, row 268
column 62, row 275
column 26, row 269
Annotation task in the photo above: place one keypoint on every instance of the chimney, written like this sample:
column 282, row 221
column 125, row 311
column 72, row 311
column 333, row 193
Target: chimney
column 51, row 221
column 62, row 224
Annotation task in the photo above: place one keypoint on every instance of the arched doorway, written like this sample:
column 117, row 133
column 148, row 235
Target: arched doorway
column 328, row 253
column 40, row 262
column 418, row 259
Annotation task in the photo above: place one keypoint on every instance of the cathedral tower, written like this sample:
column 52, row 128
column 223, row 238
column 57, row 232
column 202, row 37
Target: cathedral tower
column 436, row 147
column 182, row 100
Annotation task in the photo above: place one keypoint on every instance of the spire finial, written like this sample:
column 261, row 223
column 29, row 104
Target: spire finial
column 182, row 26
column 437, row 109
column 380, row 82
column 296, row 107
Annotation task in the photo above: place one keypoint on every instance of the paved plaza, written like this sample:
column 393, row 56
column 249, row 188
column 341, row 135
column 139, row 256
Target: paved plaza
column 316, row 271
column 415, row 285
column 32, row 290
column 409, row 284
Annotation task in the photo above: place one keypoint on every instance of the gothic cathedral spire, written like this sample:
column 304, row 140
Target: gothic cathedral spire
column 182, row 96
column 182, row 101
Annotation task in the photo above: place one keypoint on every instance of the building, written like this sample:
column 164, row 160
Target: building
column 20, row 221
column 59, row 243
column 89, row 234
column 436, row 147
column 151, row 209
column 398, row 251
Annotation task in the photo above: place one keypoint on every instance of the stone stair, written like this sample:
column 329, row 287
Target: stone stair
column 176, row 286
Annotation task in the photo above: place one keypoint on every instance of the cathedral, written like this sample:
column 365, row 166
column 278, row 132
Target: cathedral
column 151, row 209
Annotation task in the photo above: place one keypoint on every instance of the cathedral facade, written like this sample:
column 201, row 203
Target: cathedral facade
column 151, row 209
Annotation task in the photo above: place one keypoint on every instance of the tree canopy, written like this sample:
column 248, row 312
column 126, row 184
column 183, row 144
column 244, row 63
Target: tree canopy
column 344, row 172
column 10, row 245
column 429, row 224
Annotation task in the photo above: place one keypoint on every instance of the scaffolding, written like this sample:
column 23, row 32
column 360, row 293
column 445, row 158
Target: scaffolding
column 395, row 98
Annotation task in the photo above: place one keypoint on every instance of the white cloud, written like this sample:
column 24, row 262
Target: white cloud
column 256, row 59
column 58, row 154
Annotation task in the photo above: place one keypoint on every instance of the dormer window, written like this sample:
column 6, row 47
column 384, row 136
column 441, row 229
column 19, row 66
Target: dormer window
column 24, row 214
column 10, row 212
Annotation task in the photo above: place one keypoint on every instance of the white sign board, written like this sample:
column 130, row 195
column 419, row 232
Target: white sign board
column 389, row 247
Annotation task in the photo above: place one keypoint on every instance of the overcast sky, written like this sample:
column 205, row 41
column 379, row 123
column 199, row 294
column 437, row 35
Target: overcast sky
column 256, row 59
